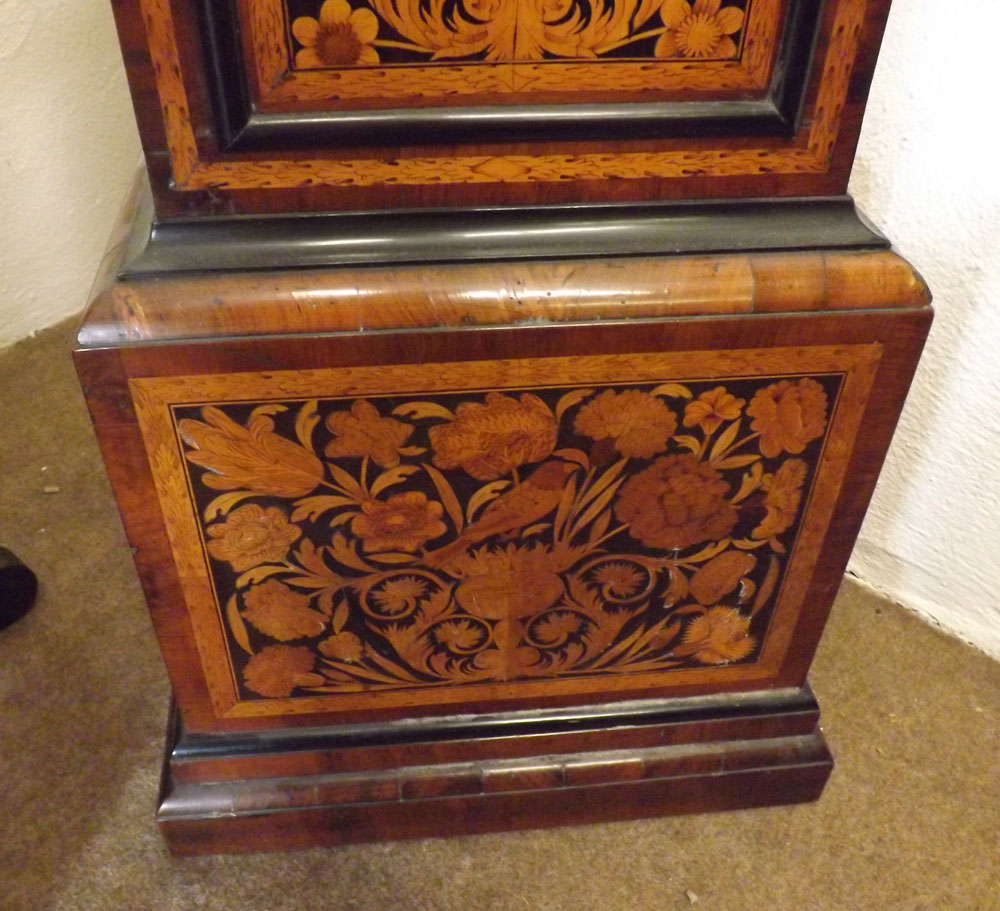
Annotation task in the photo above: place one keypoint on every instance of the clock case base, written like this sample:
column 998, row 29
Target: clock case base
column 818, row 275
column 489, row 773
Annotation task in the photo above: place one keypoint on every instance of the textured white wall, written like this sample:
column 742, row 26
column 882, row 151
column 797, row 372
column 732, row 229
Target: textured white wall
column 927, row 173
column 68, row 146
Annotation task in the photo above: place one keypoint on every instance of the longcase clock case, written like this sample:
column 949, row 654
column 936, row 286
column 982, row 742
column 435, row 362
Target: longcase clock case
column 492, row 391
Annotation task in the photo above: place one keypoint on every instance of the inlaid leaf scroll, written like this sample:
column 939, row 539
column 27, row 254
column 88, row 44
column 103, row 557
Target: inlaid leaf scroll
column 454, row 538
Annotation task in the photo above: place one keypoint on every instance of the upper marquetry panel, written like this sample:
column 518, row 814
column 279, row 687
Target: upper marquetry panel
column 335, row 34
column 307, row 105
column 386, row 52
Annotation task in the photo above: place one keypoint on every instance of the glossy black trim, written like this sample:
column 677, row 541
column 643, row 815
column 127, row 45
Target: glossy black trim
column 794, row 63
column 468, row 235
column 505, row 123
column 242, row 129
column 225, row 67
column 187, row 747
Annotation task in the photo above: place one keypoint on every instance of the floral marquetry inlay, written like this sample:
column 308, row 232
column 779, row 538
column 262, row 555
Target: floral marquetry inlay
column 341, row 33
column 387, row 542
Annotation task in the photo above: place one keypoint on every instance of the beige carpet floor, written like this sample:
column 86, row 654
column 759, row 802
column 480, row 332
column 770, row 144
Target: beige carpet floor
column 910, row 819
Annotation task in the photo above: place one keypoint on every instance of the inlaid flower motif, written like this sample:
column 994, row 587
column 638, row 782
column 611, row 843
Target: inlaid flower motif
column 788, row 415
column 490, row 440
column 403, row 522
column 251, row 458
column 784, row 493
column 720, row 575
column 343, row 647
column 508, row 664
column 557, row 626
column 277, row 669
column 711, row 408
column 362, row 431
column 484, row 10
column 460, row 635
column 510, row 583
column 281, row 613
column 702, row 29
column 252, row 535
column 718, row 636
column 675, row 503
column 398, row 595
column 618, row 580
column 340, row 37
column 638, row 423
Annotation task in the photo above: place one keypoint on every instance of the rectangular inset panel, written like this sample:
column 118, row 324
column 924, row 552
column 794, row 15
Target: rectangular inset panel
column 408, row 535
column 299, row 73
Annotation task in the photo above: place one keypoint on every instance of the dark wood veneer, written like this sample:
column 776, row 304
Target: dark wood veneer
column 286, row 791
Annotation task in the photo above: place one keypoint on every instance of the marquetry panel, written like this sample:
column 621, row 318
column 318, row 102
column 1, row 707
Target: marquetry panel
column 321, row 52
column 444, row 533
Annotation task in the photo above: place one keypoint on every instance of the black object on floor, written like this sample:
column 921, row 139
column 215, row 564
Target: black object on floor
column 18, row 588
